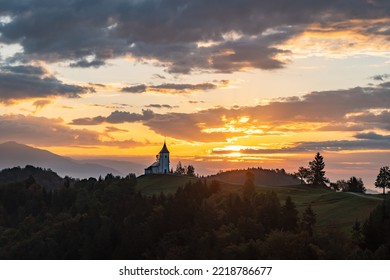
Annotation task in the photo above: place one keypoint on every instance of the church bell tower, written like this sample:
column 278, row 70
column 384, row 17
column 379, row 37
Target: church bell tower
column 164, row 159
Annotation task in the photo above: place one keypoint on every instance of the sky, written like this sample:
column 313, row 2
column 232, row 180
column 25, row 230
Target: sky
column 228, row 84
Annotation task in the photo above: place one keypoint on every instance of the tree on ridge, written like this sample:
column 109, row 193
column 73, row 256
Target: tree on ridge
column 383, row 178
column 317, row 173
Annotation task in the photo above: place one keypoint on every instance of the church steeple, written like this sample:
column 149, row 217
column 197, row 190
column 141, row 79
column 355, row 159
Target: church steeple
column 164, row 148
column 164, row 159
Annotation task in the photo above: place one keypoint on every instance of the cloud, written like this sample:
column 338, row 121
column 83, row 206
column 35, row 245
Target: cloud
column 195, row 102
column 182, row 36
column 110, row 129
column 26, row 81
column 372, row 136
column 39, row 104
column 176, row 88
column 116, row 117
column 83, row 63
column 379, row 120
column 158, row 76
column 42, row 131
column 380, row 77
column 354, row 110
column 365, row 141
column 161, row 106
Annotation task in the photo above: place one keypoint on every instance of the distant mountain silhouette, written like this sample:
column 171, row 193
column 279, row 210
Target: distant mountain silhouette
column 124, row 167
column 277, row 177
column 14, row 154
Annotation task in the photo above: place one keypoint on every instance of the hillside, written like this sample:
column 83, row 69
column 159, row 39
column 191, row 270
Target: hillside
column 156, row 183
column 334, row 210
column 45, row 178
column 15, row 154
column 109, row 219
column 267, row 177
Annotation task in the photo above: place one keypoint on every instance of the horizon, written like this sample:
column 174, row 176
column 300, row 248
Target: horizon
column 229, row 84
column 202, row 168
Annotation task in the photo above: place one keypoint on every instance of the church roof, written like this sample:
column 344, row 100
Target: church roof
column 156, row 164
column 164, row 149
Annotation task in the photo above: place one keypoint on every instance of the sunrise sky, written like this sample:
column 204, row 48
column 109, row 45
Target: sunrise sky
column 230, row 83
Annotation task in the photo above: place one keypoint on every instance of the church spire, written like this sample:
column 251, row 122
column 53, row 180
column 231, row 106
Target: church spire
column 164, row 148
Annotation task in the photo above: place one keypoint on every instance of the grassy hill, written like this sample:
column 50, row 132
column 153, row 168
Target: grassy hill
column 269, row 177
column 156, row 183
column 334, row 210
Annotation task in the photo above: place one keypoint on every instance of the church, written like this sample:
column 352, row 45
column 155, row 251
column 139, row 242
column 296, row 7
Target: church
column 161, row 166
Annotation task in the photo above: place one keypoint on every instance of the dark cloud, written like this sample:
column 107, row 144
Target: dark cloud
column 372, row 136
column 244, row 33
column 83, row 63
column 161, row 106
column 116, row 117
column 21, row 82
column 381, row 77
column 135, row 89
column 176, row 88
column 380, row 120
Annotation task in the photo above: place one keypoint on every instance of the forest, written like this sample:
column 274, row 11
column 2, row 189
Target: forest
column 107, row 218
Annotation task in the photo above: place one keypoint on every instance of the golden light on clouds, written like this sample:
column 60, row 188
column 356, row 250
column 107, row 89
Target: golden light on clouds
column 341, row 39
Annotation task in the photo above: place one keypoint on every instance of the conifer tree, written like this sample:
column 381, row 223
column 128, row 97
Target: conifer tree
column 308, row 220
column 317, row 173
column 289, row 215
column 249, row 185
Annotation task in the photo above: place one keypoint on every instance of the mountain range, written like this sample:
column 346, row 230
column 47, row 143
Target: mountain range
column 14, row 154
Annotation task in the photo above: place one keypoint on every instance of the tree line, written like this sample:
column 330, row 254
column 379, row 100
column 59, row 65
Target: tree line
column 315, row 174
column 107, row 218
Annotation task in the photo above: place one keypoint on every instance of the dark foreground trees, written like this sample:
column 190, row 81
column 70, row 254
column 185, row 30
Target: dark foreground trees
column 109, row 219
column 315, row 173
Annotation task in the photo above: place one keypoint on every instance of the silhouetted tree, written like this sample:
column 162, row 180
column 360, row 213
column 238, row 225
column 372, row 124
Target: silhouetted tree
column 289, row 216
column 342, row 185
column 317, row 173
column 308, row 220
column 334, row 186
column 179, row 169
column 190, row 171
column 302, row 174
column 355, row 185
column 249, row 185
column 383, row 179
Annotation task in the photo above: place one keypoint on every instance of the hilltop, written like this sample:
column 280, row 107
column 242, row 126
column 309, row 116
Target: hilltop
column 43, row 177
column 268, row 177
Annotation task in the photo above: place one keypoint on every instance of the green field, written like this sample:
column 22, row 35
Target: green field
column 154, row 184
column 334, row 210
